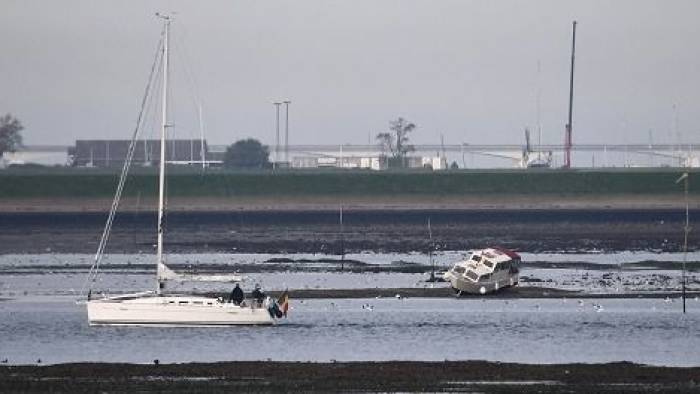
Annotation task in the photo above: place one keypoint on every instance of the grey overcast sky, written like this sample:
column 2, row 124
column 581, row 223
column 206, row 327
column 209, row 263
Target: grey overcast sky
column 467, row 69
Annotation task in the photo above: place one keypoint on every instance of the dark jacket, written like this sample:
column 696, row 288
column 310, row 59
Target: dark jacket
column 237, row 295
column 258, row 295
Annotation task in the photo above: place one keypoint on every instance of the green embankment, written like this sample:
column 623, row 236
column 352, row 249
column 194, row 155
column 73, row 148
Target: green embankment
column 90, row 183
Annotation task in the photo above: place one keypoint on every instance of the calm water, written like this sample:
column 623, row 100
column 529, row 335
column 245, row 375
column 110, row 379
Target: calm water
column 653, row 331
column 40, row 320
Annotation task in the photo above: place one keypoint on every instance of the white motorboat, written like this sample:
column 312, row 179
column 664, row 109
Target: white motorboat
column 485, row 271
column 157, row 308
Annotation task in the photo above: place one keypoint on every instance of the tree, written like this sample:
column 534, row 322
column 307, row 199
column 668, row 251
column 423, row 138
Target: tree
column 396, row 141
column 248, row 153
column 10, row 138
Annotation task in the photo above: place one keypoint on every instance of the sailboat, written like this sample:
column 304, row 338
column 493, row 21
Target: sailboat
column 155, row 307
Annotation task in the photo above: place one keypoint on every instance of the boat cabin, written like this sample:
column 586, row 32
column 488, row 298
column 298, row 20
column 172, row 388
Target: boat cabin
column 485, row 270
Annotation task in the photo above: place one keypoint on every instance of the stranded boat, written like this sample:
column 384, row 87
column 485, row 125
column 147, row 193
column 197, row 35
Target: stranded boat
column 485, row 271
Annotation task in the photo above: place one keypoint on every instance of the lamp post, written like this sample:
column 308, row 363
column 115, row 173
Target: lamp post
column 686, row 230
column 286, row 131
column 277, row 135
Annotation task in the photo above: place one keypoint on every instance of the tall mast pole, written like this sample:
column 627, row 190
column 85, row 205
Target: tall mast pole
column 164, row 125
column 569, row 125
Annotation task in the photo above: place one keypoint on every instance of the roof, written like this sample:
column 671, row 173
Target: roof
column 507, row 252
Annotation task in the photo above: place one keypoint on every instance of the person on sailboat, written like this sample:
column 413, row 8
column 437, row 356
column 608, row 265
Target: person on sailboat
column 237, row 295
column 258, row 295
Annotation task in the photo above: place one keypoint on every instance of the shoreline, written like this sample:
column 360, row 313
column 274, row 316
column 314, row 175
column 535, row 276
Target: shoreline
column 445, row 292
column 518, row 292
column 320, row 203
column 407, row 376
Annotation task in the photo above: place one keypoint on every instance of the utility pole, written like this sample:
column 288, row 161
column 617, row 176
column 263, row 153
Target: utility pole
column 569, row 124
column 342, row 241
column 686, row 230
column 277, row 135
column 286, row 132
column 430, row 252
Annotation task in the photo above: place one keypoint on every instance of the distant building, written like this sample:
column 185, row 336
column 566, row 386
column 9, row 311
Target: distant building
column 370, row 163
column 366, row 162
column 43, row 155
column 111, row 153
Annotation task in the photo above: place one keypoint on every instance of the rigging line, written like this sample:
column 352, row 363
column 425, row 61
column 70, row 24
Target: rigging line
column 180, row 50
column 92, row 274
column 149, row 123
column 125, row 169
column 186, row 132
column 184, row 57
column 149, row 120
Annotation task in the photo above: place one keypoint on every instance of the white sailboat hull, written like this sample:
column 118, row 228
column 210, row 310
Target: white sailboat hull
column 170, row 311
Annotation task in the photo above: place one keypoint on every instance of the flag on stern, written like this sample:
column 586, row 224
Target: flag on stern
column 283, row 302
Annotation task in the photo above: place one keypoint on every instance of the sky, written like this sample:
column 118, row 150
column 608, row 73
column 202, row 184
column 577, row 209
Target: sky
column 471, row 71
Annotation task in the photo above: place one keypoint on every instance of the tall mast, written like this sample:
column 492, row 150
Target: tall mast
column 569, row 126
column 164, row 125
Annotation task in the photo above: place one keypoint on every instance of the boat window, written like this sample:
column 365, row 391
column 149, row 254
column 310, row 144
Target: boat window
column 514, row 266
column 485, row 277
column 488, row 263
column 183, row 302
column 459, row 270
column 171, row 302
column 209, row 303
column 198, row 302
column 472, row 275
column 476, row 257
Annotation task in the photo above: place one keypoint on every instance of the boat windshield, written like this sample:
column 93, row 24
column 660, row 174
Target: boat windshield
column 476, row 257
column 472, row 275
column 488, row 263
column 458, row 269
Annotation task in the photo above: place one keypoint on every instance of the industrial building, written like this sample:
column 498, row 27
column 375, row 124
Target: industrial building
column 366, row 162
column 111, row 153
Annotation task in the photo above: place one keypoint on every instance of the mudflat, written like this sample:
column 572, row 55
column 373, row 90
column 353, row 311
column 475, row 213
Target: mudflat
column 317, row 231
column 409, row 376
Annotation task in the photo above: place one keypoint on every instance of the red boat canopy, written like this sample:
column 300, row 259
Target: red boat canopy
column 508, row 253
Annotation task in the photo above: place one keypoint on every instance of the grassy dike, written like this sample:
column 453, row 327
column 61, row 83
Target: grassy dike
column 86, row 183
column 452, row 189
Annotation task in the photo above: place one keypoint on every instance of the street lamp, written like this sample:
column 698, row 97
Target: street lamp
column 277, row 138
column 286, row 132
